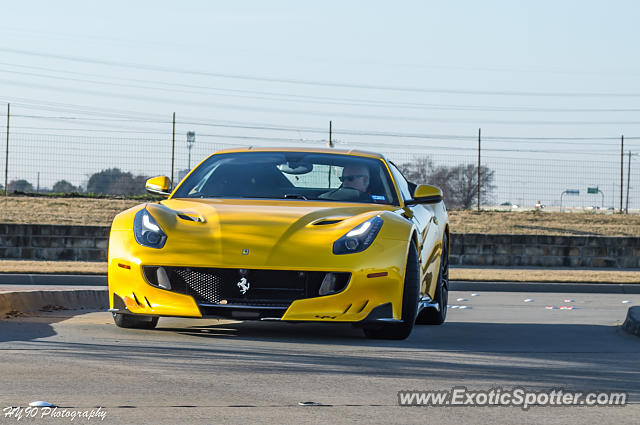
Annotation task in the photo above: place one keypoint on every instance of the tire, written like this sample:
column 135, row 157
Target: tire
column 431, row 316
column 410, row 295
column 134, row 322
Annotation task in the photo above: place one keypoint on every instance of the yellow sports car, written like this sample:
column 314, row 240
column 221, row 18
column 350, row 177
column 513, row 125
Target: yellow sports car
column 321, row 235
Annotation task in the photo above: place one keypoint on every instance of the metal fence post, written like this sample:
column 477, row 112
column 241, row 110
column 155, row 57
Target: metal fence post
column 621, row 169
column 626, row 209
column 479, row 174
column 6, row 161
column 173, row 148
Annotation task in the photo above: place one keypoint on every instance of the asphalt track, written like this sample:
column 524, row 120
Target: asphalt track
column 210, row 371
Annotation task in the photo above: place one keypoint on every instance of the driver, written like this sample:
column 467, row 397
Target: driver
column 354, row 187
column 355, row 177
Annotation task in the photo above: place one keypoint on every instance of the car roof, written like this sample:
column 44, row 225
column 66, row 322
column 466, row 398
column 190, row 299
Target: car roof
column 354, row 152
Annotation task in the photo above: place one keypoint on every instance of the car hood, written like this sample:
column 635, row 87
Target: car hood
column 255, row 232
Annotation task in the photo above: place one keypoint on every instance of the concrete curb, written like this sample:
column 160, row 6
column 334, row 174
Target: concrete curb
column 632, row 324
column 74, row 299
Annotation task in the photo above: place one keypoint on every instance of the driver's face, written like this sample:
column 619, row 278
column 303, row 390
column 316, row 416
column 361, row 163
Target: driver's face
column 355, row 177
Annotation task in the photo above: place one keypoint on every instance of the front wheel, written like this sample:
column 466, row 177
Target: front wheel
column 134, row 322
column 409, row 304
column 431, row 316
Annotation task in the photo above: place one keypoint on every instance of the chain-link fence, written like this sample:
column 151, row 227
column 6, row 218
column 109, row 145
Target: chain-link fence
column 564, row 172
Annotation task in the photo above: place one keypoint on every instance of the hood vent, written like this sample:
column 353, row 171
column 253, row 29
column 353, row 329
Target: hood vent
column 325, row 222
column 188, row 216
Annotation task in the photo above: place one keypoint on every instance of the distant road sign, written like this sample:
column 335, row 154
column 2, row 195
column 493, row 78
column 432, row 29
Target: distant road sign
column 568, row 192
column 592, row 190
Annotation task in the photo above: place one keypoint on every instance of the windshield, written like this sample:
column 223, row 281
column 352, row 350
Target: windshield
column 291, row 175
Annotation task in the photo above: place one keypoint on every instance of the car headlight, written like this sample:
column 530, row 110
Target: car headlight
column 147, row 231
column 359, row 238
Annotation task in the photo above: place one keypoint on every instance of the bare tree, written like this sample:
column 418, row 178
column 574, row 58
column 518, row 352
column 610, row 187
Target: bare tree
column 63, row 186
column 20, row 186
column 418, row 171
column 459, row 183
column 462, row 182
column 116, row 182
column 127, row 184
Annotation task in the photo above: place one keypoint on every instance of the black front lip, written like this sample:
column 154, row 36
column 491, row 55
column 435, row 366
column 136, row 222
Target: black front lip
column 240, row 311
column 380, row 314
column 208, row 310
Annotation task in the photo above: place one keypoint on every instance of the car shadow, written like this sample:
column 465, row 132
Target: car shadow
column 452, row 336
column 602, row 357
column 579, row 356
column 27, row 327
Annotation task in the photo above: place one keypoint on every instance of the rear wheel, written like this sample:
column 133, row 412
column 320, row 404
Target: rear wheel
column 409, row 304
column 431, row 316
column 134, row 322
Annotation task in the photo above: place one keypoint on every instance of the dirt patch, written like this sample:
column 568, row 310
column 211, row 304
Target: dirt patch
column 53, row 267
column 51, row 307
column 75, row 211
column 13, row 314
column 545, row 223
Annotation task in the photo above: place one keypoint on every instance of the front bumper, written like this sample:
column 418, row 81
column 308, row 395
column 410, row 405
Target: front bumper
column 365, row 289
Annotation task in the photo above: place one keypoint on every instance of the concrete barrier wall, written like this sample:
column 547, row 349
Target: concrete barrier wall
column 53, row 242
column 89, row 243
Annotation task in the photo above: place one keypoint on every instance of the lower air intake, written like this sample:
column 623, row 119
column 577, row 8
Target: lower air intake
column 247, row 287
column 201, row 285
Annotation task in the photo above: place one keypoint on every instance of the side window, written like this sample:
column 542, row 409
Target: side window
column 401, row 182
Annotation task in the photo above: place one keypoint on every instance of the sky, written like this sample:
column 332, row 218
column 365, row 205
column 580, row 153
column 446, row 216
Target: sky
column 552, row 84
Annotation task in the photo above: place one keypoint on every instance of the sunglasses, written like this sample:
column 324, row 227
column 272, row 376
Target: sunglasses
column 352, row 178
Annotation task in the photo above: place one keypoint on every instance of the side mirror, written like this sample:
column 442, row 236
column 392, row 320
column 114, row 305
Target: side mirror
column 426, row 194
column 158, row 186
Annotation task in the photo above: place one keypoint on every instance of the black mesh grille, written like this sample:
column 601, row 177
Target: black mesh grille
column 205, row 286
column 264, row 287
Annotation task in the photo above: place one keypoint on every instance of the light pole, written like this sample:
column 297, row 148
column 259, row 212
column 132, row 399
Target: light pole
column 191, row 139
